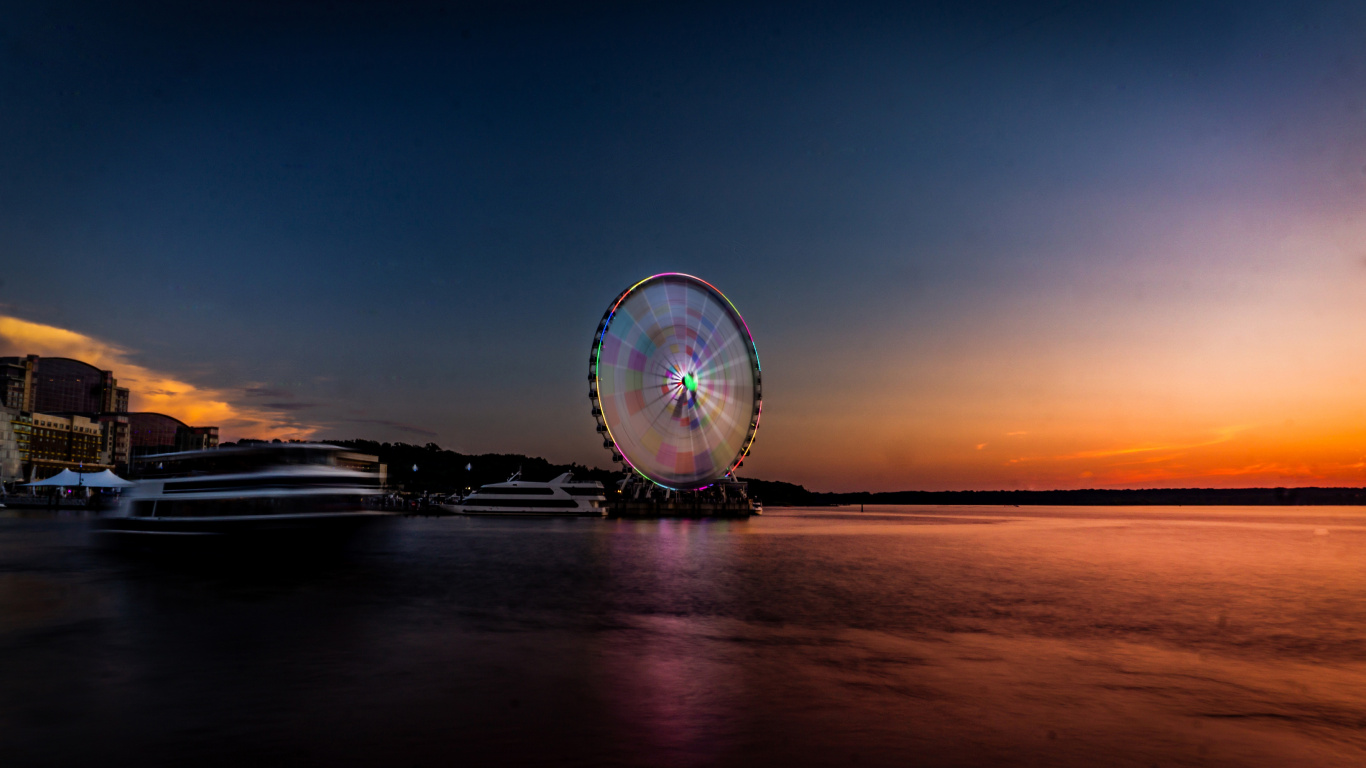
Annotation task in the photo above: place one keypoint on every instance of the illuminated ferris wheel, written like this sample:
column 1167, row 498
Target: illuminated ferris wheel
column 675, row 382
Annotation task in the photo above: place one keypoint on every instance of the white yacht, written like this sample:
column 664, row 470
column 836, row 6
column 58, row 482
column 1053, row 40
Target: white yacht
column 561, row 496
column 262, row 488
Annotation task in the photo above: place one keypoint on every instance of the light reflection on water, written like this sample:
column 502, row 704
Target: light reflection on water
column 910, row 635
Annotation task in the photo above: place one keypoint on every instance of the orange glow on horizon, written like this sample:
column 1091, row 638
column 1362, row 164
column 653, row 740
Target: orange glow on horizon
column 1237, row 359
column 151, row 390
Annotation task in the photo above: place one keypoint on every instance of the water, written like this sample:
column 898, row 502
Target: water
column 901, row 636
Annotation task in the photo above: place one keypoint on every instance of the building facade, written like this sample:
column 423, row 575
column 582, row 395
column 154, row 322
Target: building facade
column 65, row 441
column 116, row 438
column 56, row 412
column 63, row 385
column 151, row 433
column 16, row 382
column 15, row 430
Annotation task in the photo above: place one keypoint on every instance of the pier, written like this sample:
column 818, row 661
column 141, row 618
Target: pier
column 728, row 499
column 695, row 507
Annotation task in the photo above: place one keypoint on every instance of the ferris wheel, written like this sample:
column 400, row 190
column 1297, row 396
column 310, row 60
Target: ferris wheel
column 675, row 382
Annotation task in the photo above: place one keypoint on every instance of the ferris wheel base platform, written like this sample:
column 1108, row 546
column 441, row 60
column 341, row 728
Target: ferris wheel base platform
column 680, row 508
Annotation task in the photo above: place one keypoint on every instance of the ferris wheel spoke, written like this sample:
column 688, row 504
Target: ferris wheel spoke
column 697, row 329
column 654, row 423
column 657, row 399
column 723, row 347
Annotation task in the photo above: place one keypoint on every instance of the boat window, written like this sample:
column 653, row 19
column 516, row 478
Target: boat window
column 266, row 481
column 512, row 491
column 476, row 501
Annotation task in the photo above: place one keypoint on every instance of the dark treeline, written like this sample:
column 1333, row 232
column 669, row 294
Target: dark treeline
column 444, row 471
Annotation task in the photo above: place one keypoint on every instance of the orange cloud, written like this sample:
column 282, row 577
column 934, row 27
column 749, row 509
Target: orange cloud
column 1223, row 436
column 151, row 390
column 1263, row 473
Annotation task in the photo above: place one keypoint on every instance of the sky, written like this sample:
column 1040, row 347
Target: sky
column 1016, row 245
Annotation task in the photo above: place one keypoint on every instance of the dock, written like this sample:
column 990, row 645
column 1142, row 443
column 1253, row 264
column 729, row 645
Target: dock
column 683, row 507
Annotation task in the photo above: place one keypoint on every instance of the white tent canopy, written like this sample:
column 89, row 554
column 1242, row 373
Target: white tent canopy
column 65, row 477
column 105, row 479
column 68, row 479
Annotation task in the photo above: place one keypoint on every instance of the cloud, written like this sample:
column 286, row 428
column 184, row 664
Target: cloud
column 288, row 406
column 257, row 391
column 1221, row 436
column 152, row 390
column 395, row 425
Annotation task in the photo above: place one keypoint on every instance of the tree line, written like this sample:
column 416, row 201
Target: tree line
column 442, row 471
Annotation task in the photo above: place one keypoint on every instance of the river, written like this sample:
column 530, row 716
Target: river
column 1060, row 636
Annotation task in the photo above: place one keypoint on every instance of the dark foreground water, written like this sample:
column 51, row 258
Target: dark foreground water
column 901, row 636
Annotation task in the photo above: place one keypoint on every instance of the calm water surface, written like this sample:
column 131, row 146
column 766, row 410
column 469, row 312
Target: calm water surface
column 899, row 636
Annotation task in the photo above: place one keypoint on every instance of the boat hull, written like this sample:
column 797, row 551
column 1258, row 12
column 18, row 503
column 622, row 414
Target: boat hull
column 514, row 512
column 561, row 497
column 287, row 535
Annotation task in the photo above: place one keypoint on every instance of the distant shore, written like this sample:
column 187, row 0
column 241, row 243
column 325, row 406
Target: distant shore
column 787, row 494
column 418, row 468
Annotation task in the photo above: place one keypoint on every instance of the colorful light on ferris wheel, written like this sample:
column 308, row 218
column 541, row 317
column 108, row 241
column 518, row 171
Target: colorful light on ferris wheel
column 675, row 382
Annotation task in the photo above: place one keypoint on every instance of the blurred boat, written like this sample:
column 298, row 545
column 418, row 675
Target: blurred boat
column 299, row 490
column 561, row 496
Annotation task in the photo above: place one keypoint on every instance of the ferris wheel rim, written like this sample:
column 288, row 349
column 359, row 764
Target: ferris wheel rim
column 752, row 353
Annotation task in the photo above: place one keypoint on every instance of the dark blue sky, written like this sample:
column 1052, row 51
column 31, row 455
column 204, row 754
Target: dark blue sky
column 405, row 225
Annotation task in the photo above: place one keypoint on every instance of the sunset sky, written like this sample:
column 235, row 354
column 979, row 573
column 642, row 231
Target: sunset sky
column 1052, row 245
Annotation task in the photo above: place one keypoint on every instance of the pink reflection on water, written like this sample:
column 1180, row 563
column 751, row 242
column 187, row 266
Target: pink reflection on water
column 675, row 695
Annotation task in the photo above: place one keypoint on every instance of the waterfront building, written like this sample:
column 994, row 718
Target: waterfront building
column 64, row 442
column 15, row 430
column 16, row 383
column 62, row 385
column 49, row 405
column 150, row 433
column 117, row 442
